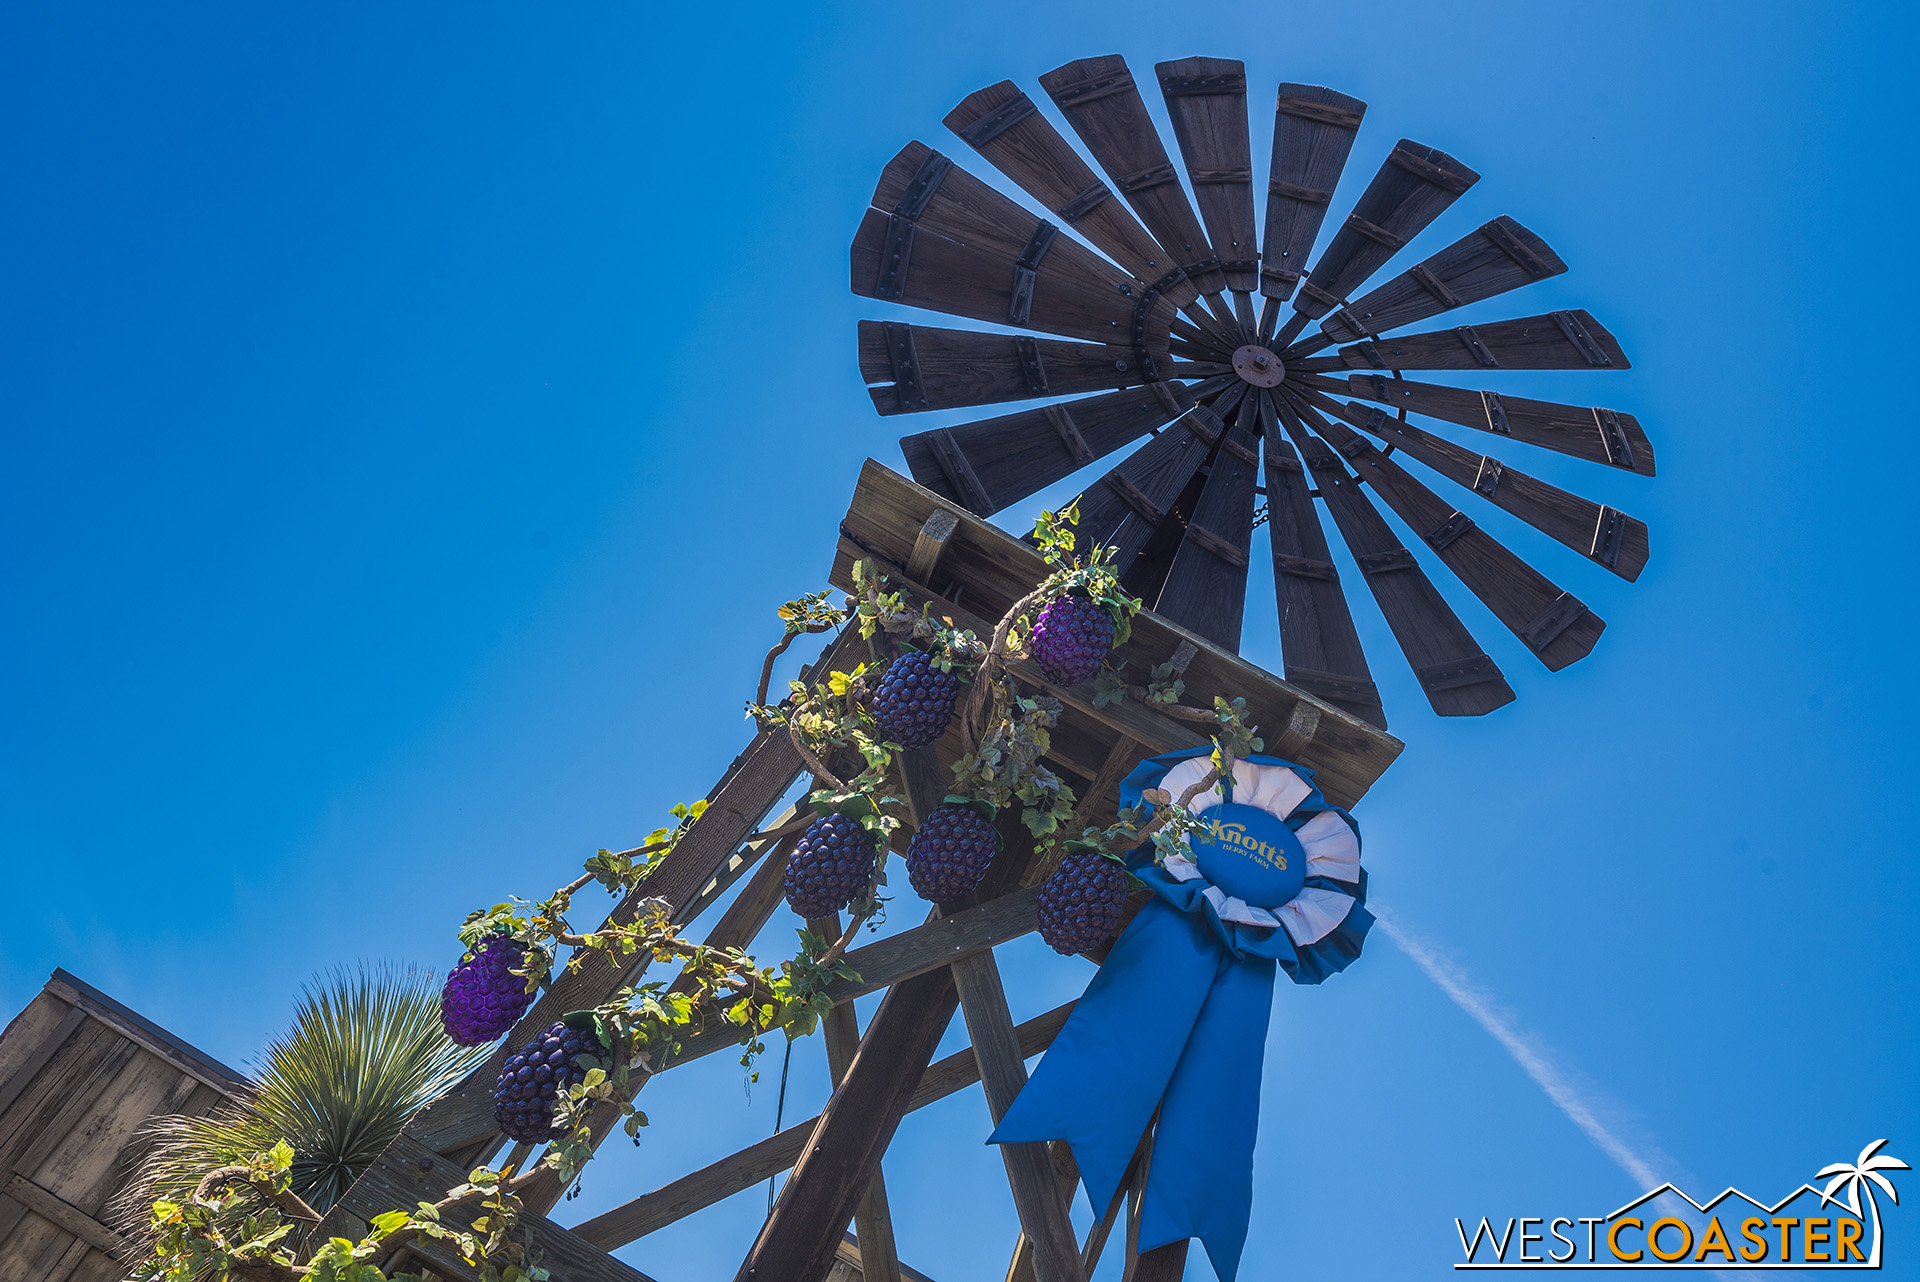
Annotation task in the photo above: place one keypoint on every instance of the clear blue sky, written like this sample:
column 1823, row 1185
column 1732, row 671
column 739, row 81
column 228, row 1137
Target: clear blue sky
column 413, row 414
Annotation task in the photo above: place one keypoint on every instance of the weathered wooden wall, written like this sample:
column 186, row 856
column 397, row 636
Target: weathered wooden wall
column 79, row 1075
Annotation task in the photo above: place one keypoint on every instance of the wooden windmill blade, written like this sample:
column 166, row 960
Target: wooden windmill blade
column 1599, row 435
column 1100, row 100
column 1206, row 586
column 1002, row 124
column 1318, row 641
column 1460, row 679
column 919, row 367
column 1604, row 535
column 1414, row 186
column 1207, row 102
column 1313, row 133
column 1131, row 503
column 940, row 238
column 1497, row 257
column 987, row 465
column 1554, row 624
column 1557, row 340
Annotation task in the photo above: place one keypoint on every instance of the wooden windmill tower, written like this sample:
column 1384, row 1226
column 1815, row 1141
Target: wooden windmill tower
column 1244, row 413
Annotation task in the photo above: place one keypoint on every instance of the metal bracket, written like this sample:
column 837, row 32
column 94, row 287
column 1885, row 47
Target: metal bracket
column 1070, row 436
column 926, row 181
column 894, row 256
column 1158, row 176
column 1576, row 333
column 1371, row 355
column 1501, row 234
column 1305, row 567
column 1319, row 297
column 1443, row 534
column 1293, row 191
column 1032, row 368
column 1206, row 425
column 1324, row 113
column 1213, row 543
column 1331, row 685
column 1386, row 562
column 1458, row 674
column 1342, row 326
column 998, row 121
column 1025, row 272
column 1426, row 171
column 1426, row 280
column 1092, row 89
column 1194, row 86
column 1613, row 435
column 1375, row 233
column 960, row 474
column 1242, row 452
column 1488, row 479
column 904, row 357
column 1608, row 533
column 1481, row 352
column 1085, row 203
column 1206, row 177
column 1545, row 627
column 1134, row 497
column 1496, row 413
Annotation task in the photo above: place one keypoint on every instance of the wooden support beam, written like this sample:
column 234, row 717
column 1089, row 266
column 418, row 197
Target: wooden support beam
column 52, row 1207
column 799, row 1238
column 873, row 1222
column 931, row 544
column 769, row 1157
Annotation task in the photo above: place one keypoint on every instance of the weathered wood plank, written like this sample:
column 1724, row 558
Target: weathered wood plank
column 1553, row 511
column 1100, row 100
column 1459, row 679
column 1557, row 340
column 957, row 367
column 1554, row 625
column 1031, row 151
column 1497, row 257
column 858, row 1123
column 1313, row 133
column 1206, row 588
column 1599, row 435
column 998, row 570
column 51, row 1207
column 1207, row 105
column 143, row 1031
column 1318, row 639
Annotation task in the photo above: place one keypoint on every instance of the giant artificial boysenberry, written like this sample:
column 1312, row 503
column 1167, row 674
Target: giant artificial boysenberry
column 1071, row 639
column 950, row 853
column 1080, row 904
column 483, row 998
column 914, row 701
column 534, row 1075
column 830, row 864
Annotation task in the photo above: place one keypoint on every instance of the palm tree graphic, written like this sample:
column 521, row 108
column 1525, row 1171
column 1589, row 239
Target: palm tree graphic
column 1863, row 1173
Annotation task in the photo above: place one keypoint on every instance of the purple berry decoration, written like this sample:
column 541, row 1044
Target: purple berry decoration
column 830, row 864
column 483, row 998
column 914, row 701
column 1080, row 904
column 1071, row 639
column 950, row 854
column 534, row 1075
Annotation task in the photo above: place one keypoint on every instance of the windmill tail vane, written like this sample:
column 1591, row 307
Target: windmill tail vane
column 1244, row 362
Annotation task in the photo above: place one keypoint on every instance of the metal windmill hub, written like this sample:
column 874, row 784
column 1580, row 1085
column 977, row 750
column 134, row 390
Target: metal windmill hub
column 1258, row 365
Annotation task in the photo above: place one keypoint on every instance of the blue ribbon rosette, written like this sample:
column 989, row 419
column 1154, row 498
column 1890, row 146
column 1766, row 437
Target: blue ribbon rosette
column 1177, row 1017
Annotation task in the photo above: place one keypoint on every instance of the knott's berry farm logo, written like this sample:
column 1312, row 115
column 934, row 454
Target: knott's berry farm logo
column 1236, row 837
column 1837, row 1227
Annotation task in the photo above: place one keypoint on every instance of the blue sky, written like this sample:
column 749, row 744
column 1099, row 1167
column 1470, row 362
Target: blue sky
column 413, row 414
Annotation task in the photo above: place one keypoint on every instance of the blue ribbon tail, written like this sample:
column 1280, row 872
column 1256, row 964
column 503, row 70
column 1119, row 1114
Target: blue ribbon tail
column 1098, row 1084
column 1200, row 1181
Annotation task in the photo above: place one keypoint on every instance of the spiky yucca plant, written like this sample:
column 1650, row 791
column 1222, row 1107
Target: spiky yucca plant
column 365, row 1050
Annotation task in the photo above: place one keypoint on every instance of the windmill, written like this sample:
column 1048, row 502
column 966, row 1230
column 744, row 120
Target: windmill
column 1140, row 310
column 1159, row 341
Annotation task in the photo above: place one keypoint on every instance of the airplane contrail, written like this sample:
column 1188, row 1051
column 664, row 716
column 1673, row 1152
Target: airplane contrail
column 1531, row 1054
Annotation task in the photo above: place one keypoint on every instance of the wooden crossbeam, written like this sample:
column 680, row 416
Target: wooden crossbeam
column 873, row 1222
column 767, row 1158
column 799, row 1238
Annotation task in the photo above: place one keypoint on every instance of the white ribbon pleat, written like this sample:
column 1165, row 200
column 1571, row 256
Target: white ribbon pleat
column 1311, row 915
column 1333, row 849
